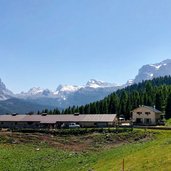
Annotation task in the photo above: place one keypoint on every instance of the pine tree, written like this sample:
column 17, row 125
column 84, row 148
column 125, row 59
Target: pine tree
column 50, row 112
column 76, row 110
column 93, row 109
column 46, row 111
column 135, row 99
column 168, row 107
column 87, row 109
column 81, row 109
column 123, row 103
column 57, row 111
column 113, row 104
column 150, row 93
column 104, row 106
column 73, row 109
column 160, row 101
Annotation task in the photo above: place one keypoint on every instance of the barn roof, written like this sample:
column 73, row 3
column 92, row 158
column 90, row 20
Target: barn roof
column 149, row 108
column 11, row 118
column 59, row 118
column 78, row 118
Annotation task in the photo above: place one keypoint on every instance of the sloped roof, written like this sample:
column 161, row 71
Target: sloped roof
column 149, row 108
column 78, row 118
column 59, row 118
column 153, row 109
column 32, row 118
column 11, row 118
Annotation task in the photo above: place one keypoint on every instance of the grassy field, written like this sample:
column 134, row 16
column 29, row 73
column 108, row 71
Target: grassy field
column 141, row 150
column 168, row 122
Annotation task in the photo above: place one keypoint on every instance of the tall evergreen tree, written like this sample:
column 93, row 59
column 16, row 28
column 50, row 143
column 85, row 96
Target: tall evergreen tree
column 113, row 104
column 168, row 107
column 123, row 103
column 87, row 109
column 150, row 92
column 160, row 101
column 81, row 109
column 104, row 106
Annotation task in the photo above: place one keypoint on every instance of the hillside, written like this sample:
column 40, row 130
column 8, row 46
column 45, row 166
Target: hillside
column 151, row 93
column 14, row 105
column 94, row 90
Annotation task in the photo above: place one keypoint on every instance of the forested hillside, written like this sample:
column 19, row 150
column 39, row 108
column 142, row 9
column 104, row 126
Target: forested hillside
column 154, row 92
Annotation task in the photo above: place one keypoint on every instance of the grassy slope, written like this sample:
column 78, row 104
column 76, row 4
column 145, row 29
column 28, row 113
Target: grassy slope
column 152, row 155
column 22, row 158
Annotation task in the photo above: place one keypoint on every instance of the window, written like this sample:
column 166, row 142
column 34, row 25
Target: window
column 139, row 113
column 139, row 120
column 30, row 123
column 147, row 113
column 147, row 120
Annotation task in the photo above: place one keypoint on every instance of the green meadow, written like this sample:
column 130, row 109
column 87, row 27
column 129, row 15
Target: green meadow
column 140, row 149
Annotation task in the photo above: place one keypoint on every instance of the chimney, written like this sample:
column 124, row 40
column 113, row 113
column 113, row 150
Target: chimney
column 14, row 114
column 44, row 114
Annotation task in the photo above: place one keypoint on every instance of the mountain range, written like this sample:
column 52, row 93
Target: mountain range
column 150, row 71
column 67, row 95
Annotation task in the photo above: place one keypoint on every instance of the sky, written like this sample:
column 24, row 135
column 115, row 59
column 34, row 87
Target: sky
column 44, row 43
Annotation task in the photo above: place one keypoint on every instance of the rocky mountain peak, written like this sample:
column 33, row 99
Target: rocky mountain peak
column 4, row 92
column 151, row 71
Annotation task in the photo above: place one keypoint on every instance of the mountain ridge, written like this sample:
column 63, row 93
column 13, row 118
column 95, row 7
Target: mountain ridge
column 150, row 71
column 93, row 90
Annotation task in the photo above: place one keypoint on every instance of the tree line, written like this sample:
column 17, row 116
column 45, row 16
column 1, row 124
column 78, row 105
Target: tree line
column 156, row 92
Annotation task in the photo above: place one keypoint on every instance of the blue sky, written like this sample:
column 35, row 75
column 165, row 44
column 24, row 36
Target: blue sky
column 45, row 43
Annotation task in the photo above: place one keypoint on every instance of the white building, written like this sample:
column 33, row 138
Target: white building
column 146, row 115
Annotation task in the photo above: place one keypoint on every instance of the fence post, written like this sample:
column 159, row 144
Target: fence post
column 123, row 165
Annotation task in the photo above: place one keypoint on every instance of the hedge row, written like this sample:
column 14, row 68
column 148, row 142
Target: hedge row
column 75, row 131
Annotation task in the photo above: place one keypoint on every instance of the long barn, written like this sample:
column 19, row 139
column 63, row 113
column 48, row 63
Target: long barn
column 55, row 121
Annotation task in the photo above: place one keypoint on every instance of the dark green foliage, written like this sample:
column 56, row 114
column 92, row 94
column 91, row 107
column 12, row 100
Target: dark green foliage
column 160, row 101
column 168, row 107
column 113, row 103
column 87, row 109
column 78, row 131
column 123, row 106
column 50, row 112
column 20, row 106
column 56, row 111
column 151, row 92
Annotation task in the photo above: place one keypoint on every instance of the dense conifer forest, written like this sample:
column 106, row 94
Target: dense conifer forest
column 156, row 92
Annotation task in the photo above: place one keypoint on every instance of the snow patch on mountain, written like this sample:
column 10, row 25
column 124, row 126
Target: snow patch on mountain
column 68, row 88
column 35, row 90
column 99, row 84
column 156, row 66
column 129, row 82
column 67, row 94
column 93, row 90
column 148, row 72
